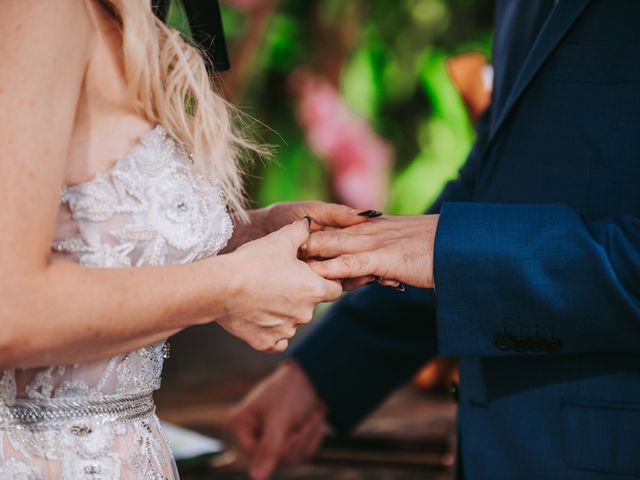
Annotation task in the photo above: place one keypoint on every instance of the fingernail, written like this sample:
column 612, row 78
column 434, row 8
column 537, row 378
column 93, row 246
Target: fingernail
column 375, row 280
column 370, row 214
column 400, row 287
column 309, row 219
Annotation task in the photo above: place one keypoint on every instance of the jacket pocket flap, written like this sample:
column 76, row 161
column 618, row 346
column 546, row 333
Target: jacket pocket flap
column 602, row 436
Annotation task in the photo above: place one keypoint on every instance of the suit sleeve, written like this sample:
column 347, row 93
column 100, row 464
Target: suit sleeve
column 374, row 340
column 369, row 343
column 535, row 280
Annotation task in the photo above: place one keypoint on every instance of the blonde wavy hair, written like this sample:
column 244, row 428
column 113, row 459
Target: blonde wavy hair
column 168, row 78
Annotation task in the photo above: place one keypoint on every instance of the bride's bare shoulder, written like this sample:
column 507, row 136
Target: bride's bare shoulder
column 33, row 28
column 45, row 47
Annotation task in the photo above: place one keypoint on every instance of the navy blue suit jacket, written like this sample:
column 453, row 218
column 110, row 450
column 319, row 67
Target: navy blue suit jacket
column 537, row 265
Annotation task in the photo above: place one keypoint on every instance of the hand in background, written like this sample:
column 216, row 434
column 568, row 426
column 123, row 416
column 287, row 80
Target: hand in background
column 398, row 248
column 282, row 420
column 266, row 220
column 272, row 292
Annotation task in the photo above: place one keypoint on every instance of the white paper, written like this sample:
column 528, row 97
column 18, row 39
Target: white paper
column 187, row 444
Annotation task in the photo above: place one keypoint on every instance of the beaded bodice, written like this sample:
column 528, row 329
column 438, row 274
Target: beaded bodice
column 151, row 208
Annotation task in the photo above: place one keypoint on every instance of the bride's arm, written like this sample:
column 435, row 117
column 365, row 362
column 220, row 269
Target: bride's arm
column 55, row 312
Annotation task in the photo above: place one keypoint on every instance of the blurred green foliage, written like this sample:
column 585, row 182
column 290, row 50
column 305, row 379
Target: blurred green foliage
column 393, row 74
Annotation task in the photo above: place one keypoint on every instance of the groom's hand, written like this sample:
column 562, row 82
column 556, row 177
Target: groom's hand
column 281, row 421
column 394, row 248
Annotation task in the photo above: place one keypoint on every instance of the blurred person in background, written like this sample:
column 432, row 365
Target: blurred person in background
column 527, row 268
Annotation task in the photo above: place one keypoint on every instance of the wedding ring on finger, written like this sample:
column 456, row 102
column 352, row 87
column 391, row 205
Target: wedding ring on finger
column 303, row 251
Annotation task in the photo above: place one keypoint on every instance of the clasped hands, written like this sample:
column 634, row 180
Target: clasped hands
column 274, row 289
column 282, row 420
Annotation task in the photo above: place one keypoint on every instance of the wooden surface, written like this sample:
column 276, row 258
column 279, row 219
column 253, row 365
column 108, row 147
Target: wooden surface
column 410, row 437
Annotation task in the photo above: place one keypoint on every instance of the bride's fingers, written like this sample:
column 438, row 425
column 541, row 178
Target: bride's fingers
column 332, row 289
column 280, row 346
column 296, row 233
column 280, row 337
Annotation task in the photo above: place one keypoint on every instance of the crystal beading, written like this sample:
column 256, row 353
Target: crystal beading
column 38, row 415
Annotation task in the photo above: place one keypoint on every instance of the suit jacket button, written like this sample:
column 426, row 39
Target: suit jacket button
column 503, row 341
column 537, row 344
column 521, row 344
column 554, row 345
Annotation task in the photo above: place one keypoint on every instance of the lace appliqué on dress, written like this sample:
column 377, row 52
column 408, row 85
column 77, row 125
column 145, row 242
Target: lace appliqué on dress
column 14, row 469
column 155, row 205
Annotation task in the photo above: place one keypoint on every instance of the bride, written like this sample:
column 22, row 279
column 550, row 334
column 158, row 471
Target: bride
column 119, row 183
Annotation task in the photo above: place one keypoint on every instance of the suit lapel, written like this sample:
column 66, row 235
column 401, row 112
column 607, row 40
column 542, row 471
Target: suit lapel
column 559, row 22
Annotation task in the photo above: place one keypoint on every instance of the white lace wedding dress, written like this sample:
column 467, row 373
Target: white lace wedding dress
column 96, row 421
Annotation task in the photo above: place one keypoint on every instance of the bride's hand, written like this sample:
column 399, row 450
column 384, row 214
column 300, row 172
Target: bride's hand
column 273, row 292
column 269, row 219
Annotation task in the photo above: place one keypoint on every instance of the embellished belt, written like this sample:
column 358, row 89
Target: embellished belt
column 27, row 414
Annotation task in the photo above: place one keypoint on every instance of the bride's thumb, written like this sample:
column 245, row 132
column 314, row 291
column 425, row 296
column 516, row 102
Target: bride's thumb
column 297, row 233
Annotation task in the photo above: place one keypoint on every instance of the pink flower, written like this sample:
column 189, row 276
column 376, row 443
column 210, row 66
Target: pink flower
column 358, row 159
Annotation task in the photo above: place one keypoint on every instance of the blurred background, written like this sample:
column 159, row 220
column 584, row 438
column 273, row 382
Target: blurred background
column 370, row 103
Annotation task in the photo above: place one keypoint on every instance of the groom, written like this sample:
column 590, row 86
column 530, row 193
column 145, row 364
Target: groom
column 534, row 253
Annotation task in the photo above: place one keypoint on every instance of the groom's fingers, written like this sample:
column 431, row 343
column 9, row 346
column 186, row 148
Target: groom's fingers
column 268, row 451
column 245, row 436
column 298, row 442
column 331, row 243
column 292, row 451
column 345, row 266
column 244, row 426
column 315, row 440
